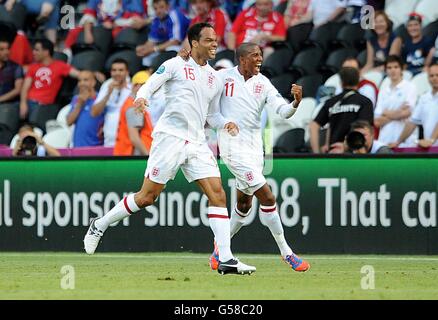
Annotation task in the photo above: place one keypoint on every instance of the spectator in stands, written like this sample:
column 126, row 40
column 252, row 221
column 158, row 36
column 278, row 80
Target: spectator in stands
column 11, row 75
column 87, row 128
column 183, row 5
column 30, row 143
column 379, row 44
column 296, row 12
column 208, row 11
column 323, row 11
column 47, row 12
column 260, row 25
column 340, row 112
column 113, row 15
column 365, row 87
column 167, row 32
column 425, row 114
column 232, row 8
column 415, row 50
column 110, row 99
column 134, row 131
column 395, row 104
column 361, row 140
column 43, row 79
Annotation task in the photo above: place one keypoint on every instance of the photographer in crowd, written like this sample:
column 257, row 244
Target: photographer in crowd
column 30, row 143
column 360, row 140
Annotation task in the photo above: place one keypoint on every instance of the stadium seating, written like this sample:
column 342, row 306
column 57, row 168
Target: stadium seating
column 428, row 9
column 335, row 60
column 89, row 60
column 277, row 63
column 291, row 141
column 134, row 62
column 58, row 138
column 102, row 41
column 10, row 116
column 325, row 34
column 283, row 83
column 307, row 61
column 431, row 30
column 224, row 54
column 398, row 12
column 128, row 38
column 362, row 58
column 17, row 16
column 42, row 114
column 351, row 36
column 374, row 76
column 164, row 56
column 298, row 35
column 421, row 82
column 310, row 84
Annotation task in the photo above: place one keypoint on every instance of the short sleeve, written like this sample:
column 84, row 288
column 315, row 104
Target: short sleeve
column 238, row 22
column 416, row 116
column 18, row 74
column 280, row 28
column 323, row 117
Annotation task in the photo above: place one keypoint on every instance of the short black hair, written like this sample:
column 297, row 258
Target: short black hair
column 6, row 39
column 120, row 60
column 349, row 76
column 194, row 32
column 393, row 58
column 46, row 44
column 157, row 1
column 243, row 50
column 361, row 124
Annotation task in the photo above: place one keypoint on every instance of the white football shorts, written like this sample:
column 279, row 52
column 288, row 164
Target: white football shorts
column 169, row 153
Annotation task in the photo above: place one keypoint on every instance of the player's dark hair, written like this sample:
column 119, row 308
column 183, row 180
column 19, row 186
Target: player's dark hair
column 194, row 32
column 244, row 49
column 120, row 60
column 394, row 58
column 46, row 44
column 361, row 124
column 349, row 76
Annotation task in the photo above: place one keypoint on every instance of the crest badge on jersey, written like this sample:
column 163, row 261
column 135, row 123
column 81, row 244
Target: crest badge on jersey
column 249, row 176
column 210, row 80
column 258, row 89
column 155, row 171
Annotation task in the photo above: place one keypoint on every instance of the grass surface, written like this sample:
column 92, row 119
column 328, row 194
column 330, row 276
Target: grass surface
column 187, row 276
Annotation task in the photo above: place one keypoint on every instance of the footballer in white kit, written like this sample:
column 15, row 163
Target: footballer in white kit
column 192, row 91
column 246, row 92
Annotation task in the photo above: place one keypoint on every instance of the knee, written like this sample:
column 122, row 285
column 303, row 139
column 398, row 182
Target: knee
column 144, row 199
column 269, row 200
column 244, row 205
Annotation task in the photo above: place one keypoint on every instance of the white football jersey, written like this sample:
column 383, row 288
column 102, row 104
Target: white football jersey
column 189, row 90
column 242, row 102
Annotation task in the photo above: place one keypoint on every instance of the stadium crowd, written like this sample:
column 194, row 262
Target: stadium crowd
column 74, row 83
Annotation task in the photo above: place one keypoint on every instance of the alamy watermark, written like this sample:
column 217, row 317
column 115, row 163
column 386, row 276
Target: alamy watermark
column 68, row 277
column 367, row 282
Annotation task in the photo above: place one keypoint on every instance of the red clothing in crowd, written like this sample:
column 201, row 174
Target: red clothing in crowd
column 21, row 50
column 46, row 80
column 247, row 25
column 218, row 19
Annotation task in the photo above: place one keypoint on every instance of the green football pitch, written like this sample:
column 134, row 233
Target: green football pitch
column 186, row 276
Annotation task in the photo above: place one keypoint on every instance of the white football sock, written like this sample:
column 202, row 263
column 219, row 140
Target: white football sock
column 270, row 218
column 123, row 209
column 220, row 224
column 237, row 220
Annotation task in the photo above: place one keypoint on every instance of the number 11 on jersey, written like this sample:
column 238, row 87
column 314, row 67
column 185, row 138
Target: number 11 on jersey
column 229, row 89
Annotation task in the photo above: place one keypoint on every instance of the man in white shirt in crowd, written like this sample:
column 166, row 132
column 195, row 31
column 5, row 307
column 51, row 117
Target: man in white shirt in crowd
column 323, row 11
column 110, row 99
column 395, row 105
column 192, row 91
column 425, row 114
